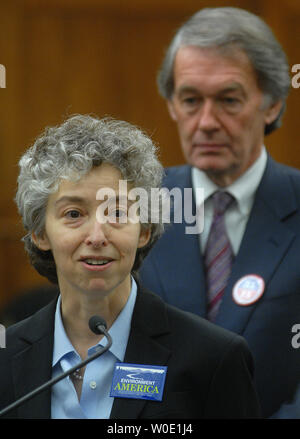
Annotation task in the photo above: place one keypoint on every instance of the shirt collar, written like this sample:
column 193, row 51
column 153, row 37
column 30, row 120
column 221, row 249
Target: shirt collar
column 243, row 189
column 119, row 331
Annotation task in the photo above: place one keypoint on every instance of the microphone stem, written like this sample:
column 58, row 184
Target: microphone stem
column 54, row 380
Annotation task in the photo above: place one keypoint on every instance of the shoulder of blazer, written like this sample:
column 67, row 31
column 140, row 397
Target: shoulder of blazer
column 31, row 329
column 186, row 330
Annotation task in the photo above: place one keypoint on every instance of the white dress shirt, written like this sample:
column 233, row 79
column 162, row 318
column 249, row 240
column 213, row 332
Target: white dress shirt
column 243, row 190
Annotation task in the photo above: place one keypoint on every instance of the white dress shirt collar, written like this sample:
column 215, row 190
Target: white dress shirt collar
column 243, row 189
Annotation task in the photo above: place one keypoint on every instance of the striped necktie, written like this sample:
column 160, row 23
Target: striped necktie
column 218, row 255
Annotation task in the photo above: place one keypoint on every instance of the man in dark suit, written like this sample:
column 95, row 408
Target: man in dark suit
column 225, row 79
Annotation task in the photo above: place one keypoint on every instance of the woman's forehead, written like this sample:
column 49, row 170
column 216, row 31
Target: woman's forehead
column 102, row 178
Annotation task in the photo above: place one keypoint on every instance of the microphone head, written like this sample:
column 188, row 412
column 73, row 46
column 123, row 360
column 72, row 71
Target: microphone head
column 95, row 324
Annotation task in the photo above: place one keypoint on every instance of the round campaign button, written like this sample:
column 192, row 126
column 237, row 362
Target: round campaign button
column 248, row 289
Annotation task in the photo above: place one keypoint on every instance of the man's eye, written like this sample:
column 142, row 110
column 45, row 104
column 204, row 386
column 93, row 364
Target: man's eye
column 230, row 101
column 190, row 101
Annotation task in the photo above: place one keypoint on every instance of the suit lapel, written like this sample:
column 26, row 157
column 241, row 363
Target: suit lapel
column 265, row 243
column 181, row 267
column 182, row 264
column 149, row 323
column 28, row 372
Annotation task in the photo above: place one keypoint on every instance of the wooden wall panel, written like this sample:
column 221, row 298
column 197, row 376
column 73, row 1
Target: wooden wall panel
column 285, row 22
column 101, row 56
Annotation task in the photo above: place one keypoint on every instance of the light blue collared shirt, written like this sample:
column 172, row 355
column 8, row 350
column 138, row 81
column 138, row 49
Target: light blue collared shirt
column 95, row 402
column 237, row 215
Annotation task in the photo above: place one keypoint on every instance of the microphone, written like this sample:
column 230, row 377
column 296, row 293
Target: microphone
column 97, row 325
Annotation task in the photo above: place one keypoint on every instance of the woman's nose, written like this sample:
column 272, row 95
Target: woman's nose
column 96, row 236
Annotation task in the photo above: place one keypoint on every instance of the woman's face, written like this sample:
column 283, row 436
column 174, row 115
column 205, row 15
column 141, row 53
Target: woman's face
column 92, row 258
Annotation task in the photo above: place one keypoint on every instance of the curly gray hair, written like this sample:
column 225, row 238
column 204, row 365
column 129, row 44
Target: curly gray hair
column 70, row 151
column 224, row 29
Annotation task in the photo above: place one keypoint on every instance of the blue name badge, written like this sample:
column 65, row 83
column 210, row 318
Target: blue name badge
column 138, row 381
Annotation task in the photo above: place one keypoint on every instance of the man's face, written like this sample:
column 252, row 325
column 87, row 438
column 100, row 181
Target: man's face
column 219, row 111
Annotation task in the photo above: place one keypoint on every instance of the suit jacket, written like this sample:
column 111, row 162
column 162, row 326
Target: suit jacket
column 270, row 248
column 209, row 369
column 291, row 410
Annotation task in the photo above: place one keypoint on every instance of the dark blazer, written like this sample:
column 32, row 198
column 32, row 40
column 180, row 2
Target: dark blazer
column 290, row 410
column 270, row 248
column 209, row 369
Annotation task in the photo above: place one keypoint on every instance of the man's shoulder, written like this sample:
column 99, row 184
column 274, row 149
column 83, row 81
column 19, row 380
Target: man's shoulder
column 281, row 181
column 285, row 169
column 175, row 175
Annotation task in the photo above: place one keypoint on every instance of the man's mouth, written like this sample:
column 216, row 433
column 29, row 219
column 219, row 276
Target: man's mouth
column 210, row 145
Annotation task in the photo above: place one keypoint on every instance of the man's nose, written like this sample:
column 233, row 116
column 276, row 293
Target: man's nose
column 208, row 120
column 96, row 236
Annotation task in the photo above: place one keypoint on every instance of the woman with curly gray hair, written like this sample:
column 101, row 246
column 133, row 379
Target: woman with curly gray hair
column 70, row 151
column 155, row 366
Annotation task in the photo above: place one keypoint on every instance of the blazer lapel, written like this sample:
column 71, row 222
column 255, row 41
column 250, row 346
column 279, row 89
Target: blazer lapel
column 149, row 323
column 28, row 372
column 265, row 243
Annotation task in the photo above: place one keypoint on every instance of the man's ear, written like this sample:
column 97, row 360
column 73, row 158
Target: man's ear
column 272, row 112
column 171, row 109
column 145, row 236
column 41, row 241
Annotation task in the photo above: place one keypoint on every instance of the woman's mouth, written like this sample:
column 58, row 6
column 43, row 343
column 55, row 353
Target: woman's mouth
column 94, row 264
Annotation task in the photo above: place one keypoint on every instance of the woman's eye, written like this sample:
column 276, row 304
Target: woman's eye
column 73, row 214
column 117, row 215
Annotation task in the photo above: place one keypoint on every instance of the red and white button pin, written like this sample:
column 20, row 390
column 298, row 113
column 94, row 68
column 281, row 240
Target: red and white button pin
column 248, row 289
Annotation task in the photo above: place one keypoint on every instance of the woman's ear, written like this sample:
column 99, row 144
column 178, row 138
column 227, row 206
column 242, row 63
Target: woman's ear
column 145, row 236
column 41, row 241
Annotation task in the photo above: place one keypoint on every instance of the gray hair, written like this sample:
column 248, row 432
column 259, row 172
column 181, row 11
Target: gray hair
column 224, row 28
column 70, row 151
